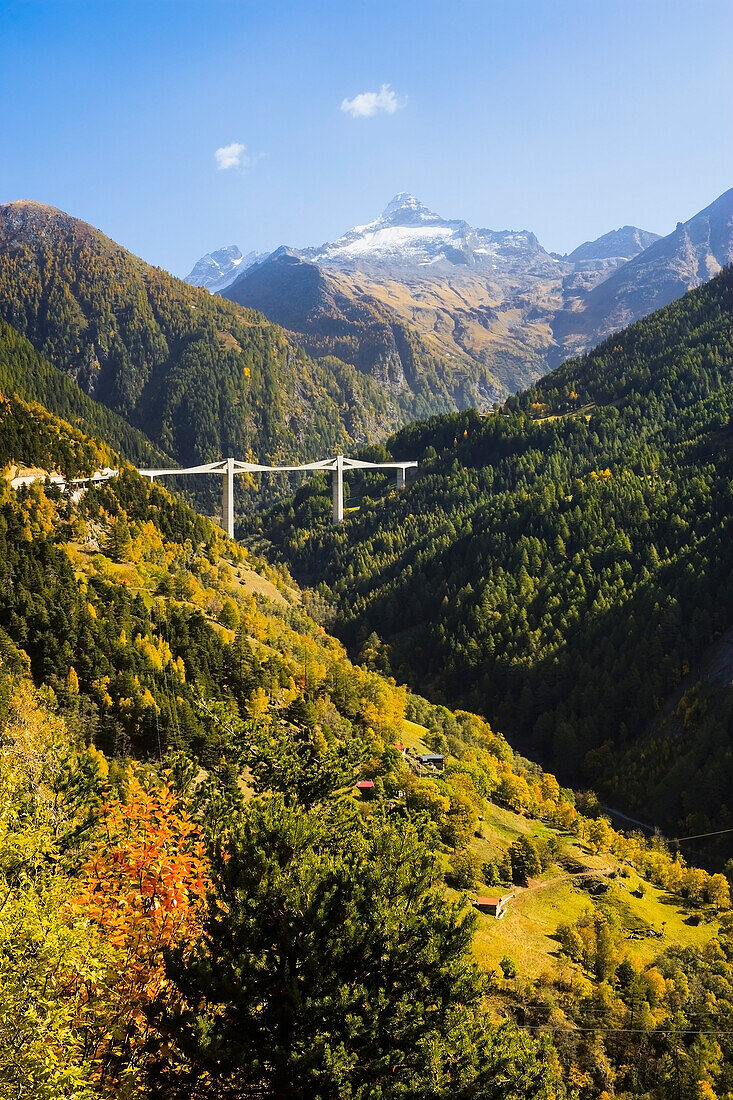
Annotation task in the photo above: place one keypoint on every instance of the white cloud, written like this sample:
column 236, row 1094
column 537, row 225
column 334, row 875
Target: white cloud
column 367, row 104
column 233, row 156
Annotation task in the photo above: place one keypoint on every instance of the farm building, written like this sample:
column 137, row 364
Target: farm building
column 495, row 907
column 434, row 759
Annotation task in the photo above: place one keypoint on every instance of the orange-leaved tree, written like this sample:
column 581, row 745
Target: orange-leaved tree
column 143, row 887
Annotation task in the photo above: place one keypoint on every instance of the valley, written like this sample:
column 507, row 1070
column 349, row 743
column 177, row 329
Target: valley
column 184, row 688
column 182, row 694
column 551, row 551
column 366, row 593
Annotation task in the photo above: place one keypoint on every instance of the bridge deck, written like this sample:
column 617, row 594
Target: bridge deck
column 227, row 468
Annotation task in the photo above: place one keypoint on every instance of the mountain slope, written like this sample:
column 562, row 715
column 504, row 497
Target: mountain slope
column 496, row 301
column 561, row 565
column 328, row 317
column 619, row 244
column 180, row 749
column 480, row 300
column 688, row 257
column 24, row 372
column 200, row 376
column 407, row 234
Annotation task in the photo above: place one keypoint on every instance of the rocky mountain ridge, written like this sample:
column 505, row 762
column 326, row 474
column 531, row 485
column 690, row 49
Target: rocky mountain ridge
column 495, row 302
column 407, row 234
column 618, row 244
column 480, row 300
column 692, row 254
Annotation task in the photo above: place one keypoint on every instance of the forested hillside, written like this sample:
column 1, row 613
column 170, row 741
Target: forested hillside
column 26, row 373
column 202, row 377
column 197, row 901
column 562, row 566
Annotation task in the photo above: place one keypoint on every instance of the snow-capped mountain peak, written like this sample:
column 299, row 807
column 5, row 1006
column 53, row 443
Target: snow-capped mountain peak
column 217, row 270
column 405, row 209
column 407, row 234
column 623, row 243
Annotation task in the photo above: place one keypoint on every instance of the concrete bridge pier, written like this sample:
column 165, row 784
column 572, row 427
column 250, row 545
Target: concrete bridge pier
column 227, row 498
column 337, row 489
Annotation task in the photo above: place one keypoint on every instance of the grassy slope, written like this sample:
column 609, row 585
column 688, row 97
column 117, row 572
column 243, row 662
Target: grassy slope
column 526, row 932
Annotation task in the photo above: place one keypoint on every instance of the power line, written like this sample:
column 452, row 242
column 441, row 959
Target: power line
column 591, row 1012
column 624, row 1030
column 698, row 836
column 651, row 828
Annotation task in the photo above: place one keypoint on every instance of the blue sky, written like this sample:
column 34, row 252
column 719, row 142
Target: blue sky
column 567, row 117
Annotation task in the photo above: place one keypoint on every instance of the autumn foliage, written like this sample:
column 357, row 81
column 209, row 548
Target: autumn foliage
column 143, row 888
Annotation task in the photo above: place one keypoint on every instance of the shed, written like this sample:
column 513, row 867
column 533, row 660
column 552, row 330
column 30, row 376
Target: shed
column 401, row 748
column 436, row 759
column 495, row 907
column 365, row 786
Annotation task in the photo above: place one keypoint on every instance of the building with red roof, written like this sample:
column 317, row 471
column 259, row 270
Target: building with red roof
column 495, row 907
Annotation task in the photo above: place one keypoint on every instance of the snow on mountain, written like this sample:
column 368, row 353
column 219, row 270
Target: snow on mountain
column 408, row 237
column 423, row 244
column 216, row 270
column 408, row 234
column 622, row 244
column 483, row 297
